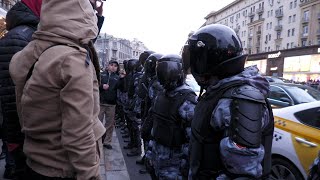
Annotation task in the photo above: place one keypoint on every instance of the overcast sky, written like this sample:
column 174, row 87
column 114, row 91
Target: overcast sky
column 162, row 25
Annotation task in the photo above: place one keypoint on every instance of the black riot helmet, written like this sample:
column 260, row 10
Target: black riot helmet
column 125, row 65
column 150, row 64
column 132, row 65
column 143, row 56
column 170, row 72
column 213, row 50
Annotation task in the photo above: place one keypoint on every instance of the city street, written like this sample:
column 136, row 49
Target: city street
column 114, row 166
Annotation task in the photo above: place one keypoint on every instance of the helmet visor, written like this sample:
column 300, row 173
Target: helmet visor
column 168, row 71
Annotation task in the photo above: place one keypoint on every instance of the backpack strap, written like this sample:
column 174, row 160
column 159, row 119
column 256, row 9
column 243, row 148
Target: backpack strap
column 32, row 67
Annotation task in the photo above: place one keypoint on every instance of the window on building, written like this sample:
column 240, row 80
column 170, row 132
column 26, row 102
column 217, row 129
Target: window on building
column 279, row 21
column 295, row 4
column 278, row 35
column 319, row 41
column 267, row 26
column 254, row 8
column 289, row 33
column 303, row 43
column 114, row 53
column 294, row 18
column 287, row 45
column 265, row 49
column 258, row 50
column 291, row 45
column 277, row 47
column 289, row 19
column 249, row 52
column 242, row 23
column 271, row 13
column 251, row 19
column 269, row 37
column 292, row 32
column 306, row 15
column 244, row 43
column 266, row 38
column 291, row 5
column 305, row 30
column 269, row 48
column 268, row 14
column 271, row 25
column 260, row 16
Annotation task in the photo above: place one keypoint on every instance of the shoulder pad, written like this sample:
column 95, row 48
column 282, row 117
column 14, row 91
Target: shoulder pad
column 190, row 95
column 245, row 92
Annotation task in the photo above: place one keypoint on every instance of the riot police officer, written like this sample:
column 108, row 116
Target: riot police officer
column 232, row 127
column 153, row 88
column 172, row 114
column 135, row 73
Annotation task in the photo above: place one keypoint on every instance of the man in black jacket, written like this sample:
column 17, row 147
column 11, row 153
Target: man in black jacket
column 21, row 22
column 108, row 100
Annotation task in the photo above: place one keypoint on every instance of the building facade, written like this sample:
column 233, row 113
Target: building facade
column 137, row 48
column 111, row 48
column 271, row 27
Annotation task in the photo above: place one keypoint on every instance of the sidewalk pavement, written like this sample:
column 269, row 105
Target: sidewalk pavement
column 115, row 165
column 112, row 165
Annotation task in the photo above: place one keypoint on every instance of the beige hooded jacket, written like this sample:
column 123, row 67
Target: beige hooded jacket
column 59, row 104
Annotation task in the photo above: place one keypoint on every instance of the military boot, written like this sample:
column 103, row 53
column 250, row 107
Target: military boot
column 134, row 152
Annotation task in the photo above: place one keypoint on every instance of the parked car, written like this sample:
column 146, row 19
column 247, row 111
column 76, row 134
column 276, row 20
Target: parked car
column 273, row 79
column 296, row 140
column 287, row 94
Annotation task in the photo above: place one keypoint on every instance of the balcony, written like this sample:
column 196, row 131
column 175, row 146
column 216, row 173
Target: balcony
column 251, row 14
column 260, row 11
column 278, row 40
column 115, row 48
column 258, row 44
column 304, row 35
column 279, row 13
column 305, row 20
column 278, row 28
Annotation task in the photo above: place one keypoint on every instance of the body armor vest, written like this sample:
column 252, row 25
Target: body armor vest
column 168, row 128
column 205, row 162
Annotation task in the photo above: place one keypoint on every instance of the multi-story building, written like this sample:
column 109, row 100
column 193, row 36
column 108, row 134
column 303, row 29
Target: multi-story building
column 277, row 30
column 137, row 48
column 119, row 49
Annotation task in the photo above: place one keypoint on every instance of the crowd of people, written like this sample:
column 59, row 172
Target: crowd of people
column 59, row 110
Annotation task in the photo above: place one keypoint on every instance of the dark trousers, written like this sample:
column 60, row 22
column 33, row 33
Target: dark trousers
column 30, row 174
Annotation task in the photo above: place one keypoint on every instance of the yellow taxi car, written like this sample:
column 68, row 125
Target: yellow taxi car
column 296, row 140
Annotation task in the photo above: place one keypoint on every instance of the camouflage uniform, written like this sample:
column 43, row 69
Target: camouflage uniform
column 170, row 162
column 153, row 90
